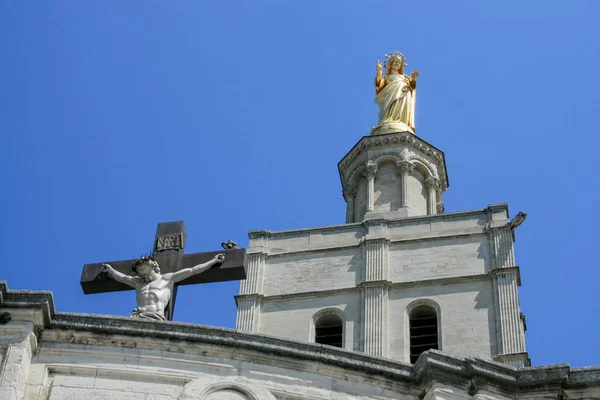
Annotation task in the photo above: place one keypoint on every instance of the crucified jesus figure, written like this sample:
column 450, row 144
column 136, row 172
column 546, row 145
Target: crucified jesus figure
column 154, row 290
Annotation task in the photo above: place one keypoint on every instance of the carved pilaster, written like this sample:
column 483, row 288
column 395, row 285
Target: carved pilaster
column 376, row 260
column 375, row 318
column 432, row 184
column 370, row 172
column 254, row 274
column 248, row 302
column 349, row 195
column 248, row 313
column 501, row 243
column 509, row 329
column 404, row 170
column 375, row 297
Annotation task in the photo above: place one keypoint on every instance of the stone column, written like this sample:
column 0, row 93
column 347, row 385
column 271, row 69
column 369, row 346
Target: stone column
column 432, row 184
column 349, row 195
column 249, row 299
column 405, row 168
column 370, row 172
column 374, row 293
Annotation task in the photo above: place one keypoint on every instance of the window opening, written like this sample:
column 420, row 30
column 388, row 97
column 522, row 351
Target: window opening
column 329, row 329
column 423, row 331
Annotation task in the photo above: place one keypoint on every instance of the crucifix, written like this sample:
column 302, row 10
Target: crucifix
column 156, row 278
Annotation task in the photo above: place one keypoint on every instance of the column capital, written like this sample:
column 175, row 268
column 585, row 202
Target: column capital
column 432, row 183
column 405, row 167
column 370, row 169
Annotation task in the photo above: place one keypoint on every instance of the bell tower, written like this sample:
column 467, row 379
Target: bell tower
column 393, row 175
column 400, row 276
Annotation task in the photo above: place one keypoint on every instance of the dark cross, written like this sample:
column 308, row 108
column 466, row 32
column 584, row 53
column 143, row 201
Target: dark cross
column 168, row 252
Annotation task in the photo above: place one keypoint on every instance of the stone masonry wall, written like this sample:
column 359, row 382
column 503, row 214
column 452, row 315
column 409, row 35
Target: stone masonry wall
column 446, row 259
column 441, row 258
column 315, row 271
column 466, row 314
column 292, row 318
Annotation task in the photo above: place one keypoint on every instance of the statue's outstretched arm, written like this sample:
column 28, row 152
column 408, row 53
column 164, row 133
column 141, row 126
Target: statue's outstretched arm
column 413, row 79
column 379, row 81
column 119, row 277
column 198, row 269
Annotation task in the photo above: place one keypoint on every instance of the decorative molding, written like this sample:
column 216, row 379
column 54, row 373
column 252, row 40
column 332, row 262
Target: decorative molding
column 407, row 140
column 431, row 169
column 377, row 157
column 396, row 139
column 225, row 386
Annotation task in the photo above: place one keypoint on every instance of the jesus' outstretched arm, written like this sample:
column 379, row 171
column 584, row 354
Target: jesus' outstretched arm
column 198, row 269
column 119, row 277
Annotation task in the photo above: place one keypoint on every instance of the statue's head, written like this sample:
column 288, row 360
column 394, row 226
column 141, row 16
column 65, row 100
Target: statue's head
column 146, row 268
column 395, row 62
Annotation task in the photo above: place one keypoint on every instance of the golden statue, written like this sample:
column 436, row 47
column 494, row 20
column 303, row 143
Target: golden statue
column 396, row 94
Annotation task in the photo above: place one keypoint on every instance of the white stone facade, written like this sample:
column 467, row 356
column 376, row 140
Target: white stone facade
column 373, row 272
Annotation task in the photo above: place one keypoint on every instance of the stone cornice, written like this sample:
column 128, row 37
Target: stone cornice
column 432, row 366
column 358, row 225
column 367, row 143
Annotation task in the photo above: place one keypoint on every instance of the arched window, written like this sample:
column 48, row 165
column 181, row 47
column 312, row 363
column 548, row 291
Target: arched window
column 423, row 330
column 329, row 329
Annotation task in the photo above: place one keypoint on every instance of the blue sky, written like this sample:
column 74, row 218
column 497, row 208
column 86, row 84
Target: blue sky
column 232, row 116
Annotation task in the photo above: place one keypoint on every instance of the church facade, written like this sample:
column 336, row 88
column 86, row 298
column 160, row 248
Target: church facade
column 404, row 301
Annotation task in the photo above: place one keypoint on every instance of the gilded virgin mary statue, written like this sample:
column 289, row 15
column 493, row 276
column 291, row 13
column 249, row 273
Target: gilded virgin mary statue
column 395, row 93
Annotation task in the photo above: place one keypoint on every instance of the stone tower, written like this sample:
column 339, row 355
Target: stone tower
column 393, row 175
column 400, row 276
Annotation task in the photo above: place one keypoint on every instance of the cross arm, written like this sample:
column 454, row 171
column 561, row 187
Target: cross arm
column 232, row 269
column 93, row 280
